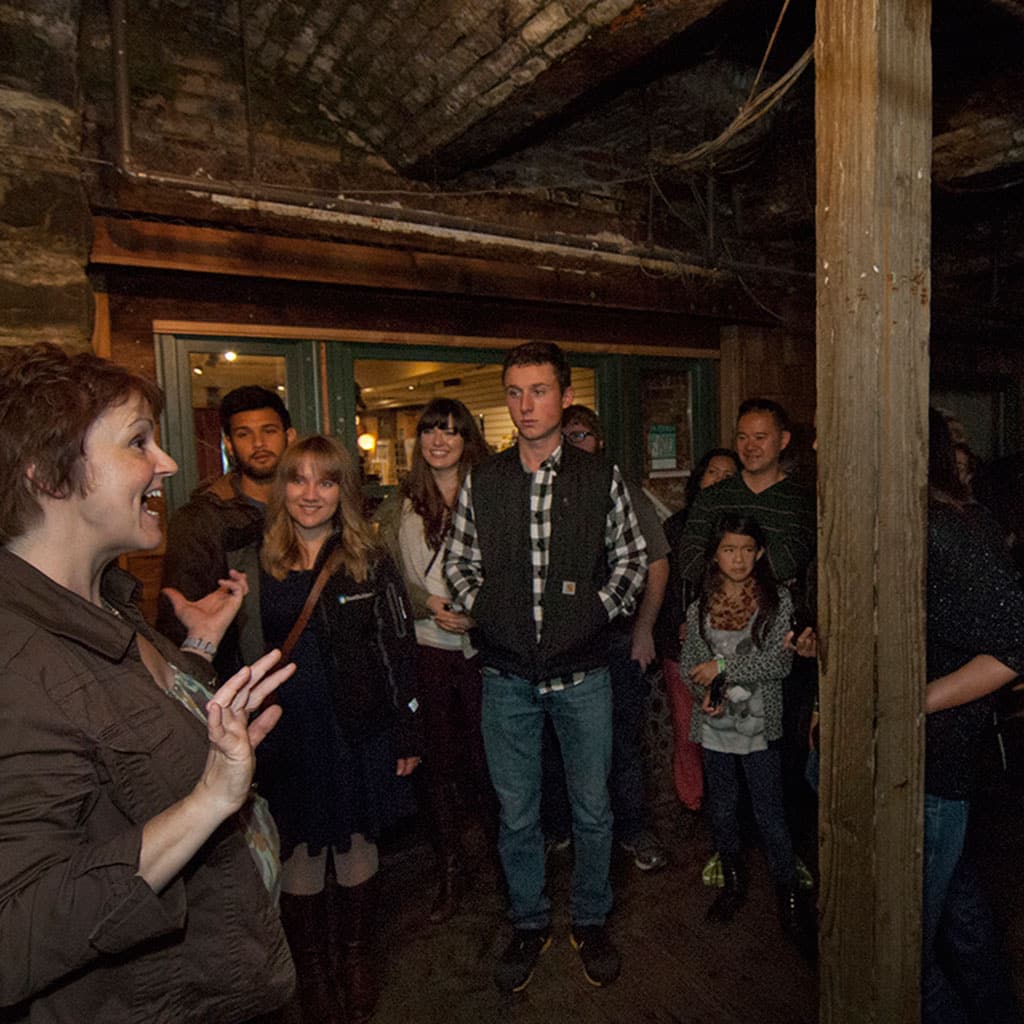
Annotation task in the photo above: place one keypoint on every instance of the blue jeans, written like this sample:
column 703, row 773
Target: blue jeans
column 626, row 783
column 763, row 772
column 629, row 704
column 964, row 976
column 513, row 724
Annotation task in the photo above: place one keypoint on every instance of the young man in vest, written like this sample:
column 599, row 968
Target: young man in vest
column 544, row 552
column 227, row 514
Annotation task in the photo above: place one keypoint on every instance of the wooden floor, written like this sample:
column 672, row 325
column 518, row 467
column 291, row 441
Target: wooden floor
column 676, row 968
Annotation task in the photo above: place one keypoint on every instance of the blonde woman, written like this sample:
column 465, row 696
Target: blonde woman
column 335, row 775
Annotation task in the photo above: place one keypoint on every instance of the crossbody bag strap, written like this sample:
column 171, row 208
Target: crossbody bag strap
column 327, row 570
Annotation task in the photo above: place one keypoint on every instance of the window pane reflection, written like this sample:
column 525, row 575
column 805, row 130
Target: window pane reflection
column 390, row 394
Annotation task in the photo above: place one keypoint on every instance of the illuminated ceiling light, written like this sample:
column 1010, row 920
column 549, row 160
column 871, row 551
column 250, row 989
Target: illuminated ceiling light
column 230, row 356
column 367, row 442
column 280, row 387
column 197, row 370
column 411, row 387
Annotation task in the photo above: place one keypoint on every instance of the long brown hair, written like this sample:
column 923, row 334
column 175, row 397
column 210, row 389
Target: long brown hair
column 281, row 550
column 419, row 486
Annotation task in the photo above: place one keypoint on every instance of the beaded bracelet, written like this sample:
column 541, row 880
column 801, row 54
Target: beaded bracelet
column 720, row 664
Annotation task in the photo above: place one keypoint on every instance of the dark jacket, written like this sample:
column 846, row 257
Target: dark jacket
column 575, row 634
column 365, row 632
column 975, row 606
column 216, row 521
column 91, row 750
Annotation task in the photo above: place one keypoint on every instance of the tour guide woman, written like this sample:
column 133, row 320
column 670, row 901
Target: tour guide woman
column 136, row 870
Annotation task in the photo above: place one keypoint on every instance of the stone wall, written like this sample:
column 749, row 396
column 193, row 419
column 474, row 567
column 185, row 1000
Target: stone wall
column 44, row 218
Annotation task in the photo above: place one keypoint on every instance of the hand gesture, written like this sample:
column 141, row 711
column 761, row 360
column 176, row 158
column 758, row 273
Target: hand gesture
column 210, row 616
column 233, row 736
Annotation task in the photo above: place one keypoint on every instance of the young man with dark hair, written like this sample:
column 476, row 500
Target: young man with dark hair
column 226, row 515
column 544, row 552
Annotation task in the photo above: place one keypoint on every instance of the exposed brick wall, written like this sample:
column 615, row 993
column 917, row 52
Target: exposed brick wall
column 44, row 219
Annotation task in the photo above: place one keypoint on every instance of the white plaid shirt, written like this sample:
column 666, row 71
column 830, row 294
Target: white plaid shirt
column 623, row 541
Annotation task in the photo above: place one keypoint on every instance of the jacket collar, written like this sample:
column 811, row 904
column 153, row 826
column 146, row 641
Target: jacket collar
column 35, row 597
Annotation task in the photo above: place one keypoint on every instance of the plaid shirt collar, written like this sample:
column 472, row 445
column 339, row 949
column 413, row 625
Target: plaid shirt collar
column 553, row 462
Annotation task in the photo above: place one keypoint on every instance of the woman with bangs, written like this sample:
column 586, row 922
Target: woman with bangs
column 335, row 773
column 415, row 526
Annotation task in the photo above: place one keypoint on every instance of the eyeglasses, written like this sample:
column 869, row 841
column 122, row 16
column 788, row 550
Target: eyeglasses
column 576, row 436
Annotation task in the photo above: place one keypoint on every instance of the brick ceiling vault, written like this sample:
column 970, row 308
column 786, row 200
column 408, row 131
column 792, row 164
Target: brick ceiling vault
column 437, row 86
column 563, row 117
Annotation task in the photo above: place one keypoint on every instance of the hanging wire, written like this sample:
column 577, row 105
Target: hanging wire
column 767, row 52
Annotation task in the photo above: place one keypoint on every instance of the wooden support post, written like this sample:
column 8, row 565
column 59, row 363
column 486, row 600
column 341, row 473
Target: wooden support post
column 873, row 127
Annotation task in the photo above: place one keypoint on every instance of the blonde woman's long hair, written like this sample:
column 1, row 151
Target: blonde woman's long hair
column 281, row 551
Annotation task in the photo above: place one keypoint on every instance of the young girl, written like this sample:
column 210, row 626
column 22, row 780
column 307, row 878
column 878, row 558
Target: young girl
column 735, row 633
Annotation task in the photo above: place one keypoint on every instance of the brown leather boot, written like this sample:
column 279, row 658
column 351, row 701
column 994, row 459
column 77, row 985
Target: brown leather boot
column 444, row 810
column 356, row 908
column 305, row 924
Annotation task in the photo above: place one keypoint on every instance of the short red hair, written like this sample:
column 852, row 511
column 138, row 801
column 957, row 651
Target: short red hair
column 49, row 399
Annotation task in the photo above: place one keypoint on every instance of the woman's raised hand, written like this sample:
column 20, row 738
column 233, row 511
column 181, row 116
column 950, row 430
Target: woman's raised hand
column 233, row 734
column 209, row 617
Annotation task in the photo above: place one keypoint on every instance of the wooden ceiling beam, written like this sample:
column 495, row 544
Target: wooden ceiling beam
column 601, row 280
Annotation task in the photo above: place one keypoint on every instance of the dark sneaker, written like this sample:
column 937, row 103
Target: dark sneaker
column 514, row 969
column 647, row 852
column 600, row 958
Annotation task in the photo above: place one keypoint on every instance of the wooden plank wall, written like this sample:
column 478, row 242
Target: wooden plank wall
column 767, row 363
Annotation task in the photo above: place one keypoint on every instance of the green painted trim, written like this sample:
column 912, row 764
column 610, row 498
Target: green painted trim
column 172, row 352
column 617, row 387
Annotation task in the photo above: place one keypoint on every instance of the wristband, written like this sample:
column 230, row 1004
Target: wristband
column 200, row 645
column 720, row 664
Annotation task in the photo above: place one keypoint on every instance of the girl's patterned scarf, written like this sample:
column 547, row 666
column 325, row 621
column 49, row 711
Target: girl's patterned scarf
column 732, row 612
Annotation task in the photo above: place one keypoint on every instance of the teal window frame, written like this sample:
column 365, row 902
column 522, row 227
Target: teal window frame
column 175, row 377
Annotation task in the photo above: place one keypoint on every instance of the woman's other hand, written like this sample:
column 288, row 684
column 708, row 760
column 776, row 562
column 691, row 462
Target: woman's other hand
column 209, row 617
column 407, row 765
column 449, row 621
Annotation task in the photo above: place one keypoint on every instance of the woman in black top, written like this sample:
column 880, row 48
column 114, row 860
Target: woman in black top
column 335, row 774
column 975, row 645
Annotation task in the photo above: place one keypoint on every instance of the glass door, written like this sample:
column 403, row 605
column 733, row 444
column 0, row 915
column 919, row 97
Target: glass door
column 196, row 373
